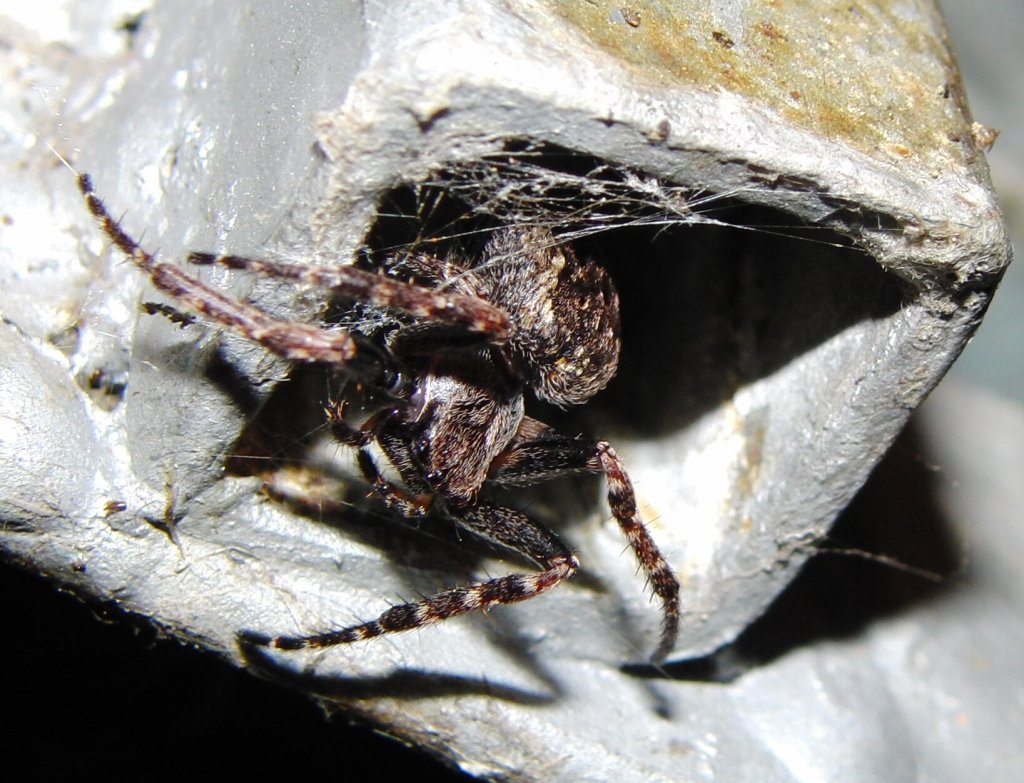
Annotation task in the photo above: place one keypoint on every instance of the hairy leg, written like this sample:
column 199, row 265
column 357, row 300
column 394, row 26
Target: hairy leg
column 545, row 454
column 295, row 341
column 468, row 312
column 504, row 526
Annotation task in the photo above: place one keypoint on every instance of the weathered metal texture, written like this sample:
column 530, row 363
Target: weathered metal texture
column 795, row 365
column 763, row 376
column 877, row 76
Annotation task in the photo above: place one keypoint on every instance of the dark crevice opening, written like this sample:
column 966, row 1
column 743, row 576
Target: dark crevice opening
column 706, row 309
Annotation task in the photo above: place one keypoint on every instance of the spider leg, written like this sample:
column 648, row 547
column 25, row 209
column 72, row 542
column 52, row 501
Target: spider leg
column 504, row 526
column 413, row 502
column 408, row 505
column 295, row 341
column 172, row 314
column 622, row 501
column 540, row 453
column 468, row 312
column 546, row 454
column 356, row 437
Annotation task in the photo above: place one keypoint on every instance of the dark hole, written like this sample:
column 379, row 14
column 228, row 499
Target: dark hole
column 706, row 309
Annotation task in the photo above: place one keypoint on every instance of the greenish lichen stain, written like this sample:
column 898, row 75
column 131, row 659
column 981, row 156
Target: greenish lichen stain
column 878, row 76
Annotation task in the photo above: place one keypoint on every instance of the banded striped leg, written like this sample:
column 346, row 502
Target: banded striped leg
column 622, row 500
column 409, row 506
column 413, row 503
column 291, row 340
column 545, row 454
column 504, row 526
column 469, row 312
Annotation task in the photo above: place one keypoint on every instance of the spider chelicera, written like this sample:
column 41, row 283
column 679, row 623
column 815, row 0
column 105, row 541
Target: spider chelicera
column 472, row 338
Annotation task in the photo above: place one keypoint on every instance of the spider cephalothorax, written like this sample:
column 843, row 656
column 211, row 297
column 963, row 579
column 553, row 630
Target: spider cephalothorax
column 471, row 339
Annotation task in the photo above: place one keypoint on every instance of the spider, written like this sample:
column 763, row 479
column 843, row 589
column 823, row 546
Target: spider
column 472, row 338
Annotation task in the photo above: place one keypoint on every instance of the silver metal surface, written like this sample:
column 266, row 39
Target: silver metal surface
column 766, row 384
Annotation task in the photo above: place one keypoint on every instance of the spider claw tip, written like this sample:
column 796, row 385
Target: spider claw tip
column 254, row 639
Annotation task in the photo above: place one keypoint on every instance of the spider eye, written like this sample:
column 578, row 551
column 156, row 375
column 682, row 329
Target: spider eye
column 393, row 381
column 421, row 446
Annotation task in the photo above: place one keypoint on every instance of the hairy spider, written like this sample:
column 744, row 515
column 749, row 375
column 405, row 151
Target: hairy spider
column 470, row 338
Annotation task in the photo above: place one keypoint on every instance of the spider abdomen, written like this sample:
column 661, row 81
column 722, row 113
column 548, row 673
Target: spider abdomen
column 564, row 311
